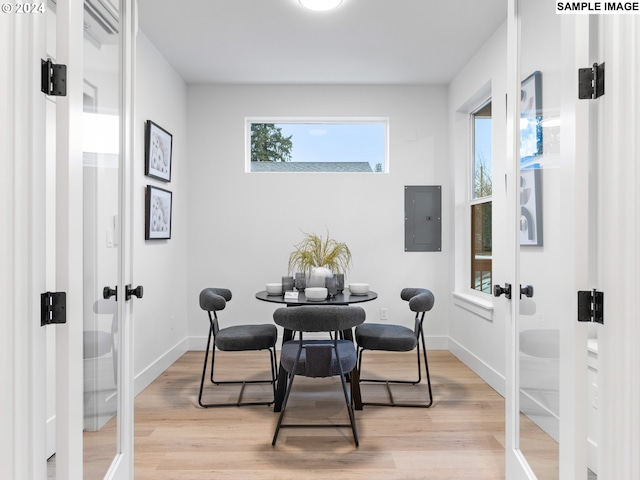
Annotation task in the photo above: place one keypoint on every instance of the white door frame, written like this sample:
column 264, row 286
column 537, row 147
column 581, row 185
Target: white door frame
column 573, row 339
column 122, row 466
column 69, row 273
column 619, row 249
column 23, row 247
column 22, row 271
column 613, row 238
column 516, row 466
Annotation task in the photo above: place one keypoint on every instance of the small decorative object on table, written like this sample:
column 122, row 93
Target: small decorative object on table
column 274, row 288
column 332, row 286
column 291, row 295
column 300, row 282
column 316, row 294
column 287, row 284
column 359, row 288
column 318, row 276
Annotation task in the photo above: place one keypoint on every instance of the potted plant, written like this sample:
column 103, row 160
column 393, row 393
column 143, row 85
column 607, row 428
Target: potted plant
column 315, row 252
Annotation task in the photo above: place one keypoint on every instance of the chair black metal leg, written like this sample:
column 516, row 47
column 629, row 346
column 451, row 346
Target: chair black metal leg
column 356, row 395
column 280, row 389
column 274, row 369
column 426, row 367
column 352, row 417
column 204, row 368
column 392, row 402
column 239, row 402
column 282, row 410
column 213, row 361
column 347, row 398
column 286, row 396
column 285, row 400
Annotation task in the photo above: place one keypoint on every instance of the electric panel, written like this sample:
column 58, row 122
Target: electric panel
column 423, row 218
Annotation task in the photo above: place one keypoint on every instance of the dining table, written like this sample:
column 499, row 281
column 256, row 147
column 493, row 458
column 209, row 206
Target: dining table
column 341, row 298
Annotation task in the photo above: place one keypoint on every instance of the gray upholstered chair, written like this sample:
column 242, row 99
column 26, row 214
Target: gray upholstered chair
column 234, row 339
column 398, row 338
column 319, row 358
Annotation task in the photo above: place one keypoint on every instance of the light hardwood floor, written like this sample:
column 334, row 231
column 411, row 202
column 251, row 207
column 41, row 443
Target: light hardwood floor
column 460, row 437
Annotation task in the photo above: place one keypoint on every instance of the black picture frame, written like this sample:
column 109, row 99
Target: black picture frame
column 158, row 144
column 158, row 206
column 531, row 119
column 531, row 207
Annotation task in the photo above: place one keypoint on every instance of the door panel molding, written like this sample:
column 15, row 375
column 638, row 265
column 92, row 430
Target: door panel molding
column 69, row 354
column 618, row 253
column 22, row 277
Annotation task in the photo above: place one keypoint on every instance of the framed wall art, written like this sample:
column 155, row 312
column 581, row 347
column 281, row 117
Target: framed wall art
column 158, row 204
column 157, row 156
column 530, row 207
column 531, row 119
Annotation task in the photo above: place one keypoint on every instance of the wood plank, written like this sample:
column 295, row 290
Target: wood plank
column 460, row 437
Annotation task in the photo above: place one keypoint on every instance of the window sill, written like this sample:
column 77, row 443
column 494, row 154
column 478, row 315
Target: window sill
column 474, row 304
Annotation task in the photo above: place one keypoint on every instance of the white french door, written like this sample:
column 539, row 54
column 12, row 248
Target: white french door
column 92, row 145
column 106, row 152
column 549, row 190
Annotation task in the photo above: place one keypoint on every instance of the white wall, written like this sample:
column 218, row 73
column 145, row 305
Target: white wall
column 160, row 318
column 477, row 325
column 242, row 226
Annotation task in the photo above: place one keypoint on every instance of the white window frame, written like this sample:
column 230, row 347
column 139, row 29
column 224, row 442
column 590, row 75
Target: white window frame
column 472, row 200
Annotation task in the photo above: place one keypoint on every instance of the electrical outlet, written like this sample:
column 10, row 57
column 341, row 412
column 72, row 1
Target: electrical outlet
column 383, row 314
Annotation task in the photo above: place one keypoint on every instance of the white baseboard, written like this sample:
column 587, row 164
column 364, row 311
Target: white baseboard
column 153, row 371
column 484, row 371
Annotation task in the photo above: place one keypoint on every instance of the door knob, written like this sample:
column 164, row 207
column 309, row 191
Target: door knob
column 527, row 291
column 498, row 290
column 108, row 292
column 138, row 292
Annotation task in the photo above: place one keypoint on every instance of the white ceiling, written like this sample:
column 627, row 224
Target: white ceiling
column 278, row 41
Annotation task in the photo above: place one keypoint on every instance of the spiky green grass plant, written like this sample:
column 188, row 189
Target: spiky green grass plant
column 316, row 251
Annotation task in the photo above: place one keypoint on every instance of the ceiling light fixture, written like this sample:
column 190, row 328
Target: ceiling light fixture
column 320, row 4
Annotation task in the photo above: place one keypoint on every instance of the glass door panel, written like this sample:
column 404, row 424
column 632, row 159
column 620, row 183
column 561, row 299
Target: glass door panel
column 547, row 390
column 542, row 235
column 101, row 172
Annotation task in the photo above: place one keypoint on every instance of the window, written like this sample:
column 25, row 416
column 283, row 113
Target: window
column 481, row 248
column 317, row 145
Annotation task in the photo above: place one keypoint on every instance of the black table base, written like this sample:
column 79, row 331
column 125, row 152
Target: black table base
column 339, row 299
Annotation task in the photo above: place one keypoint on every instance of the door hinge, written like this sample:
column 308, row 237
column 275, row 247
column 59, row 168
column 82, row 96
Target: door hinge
column 591, row 306
column 53, row 308
column 591, row 82
column 53, row 78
